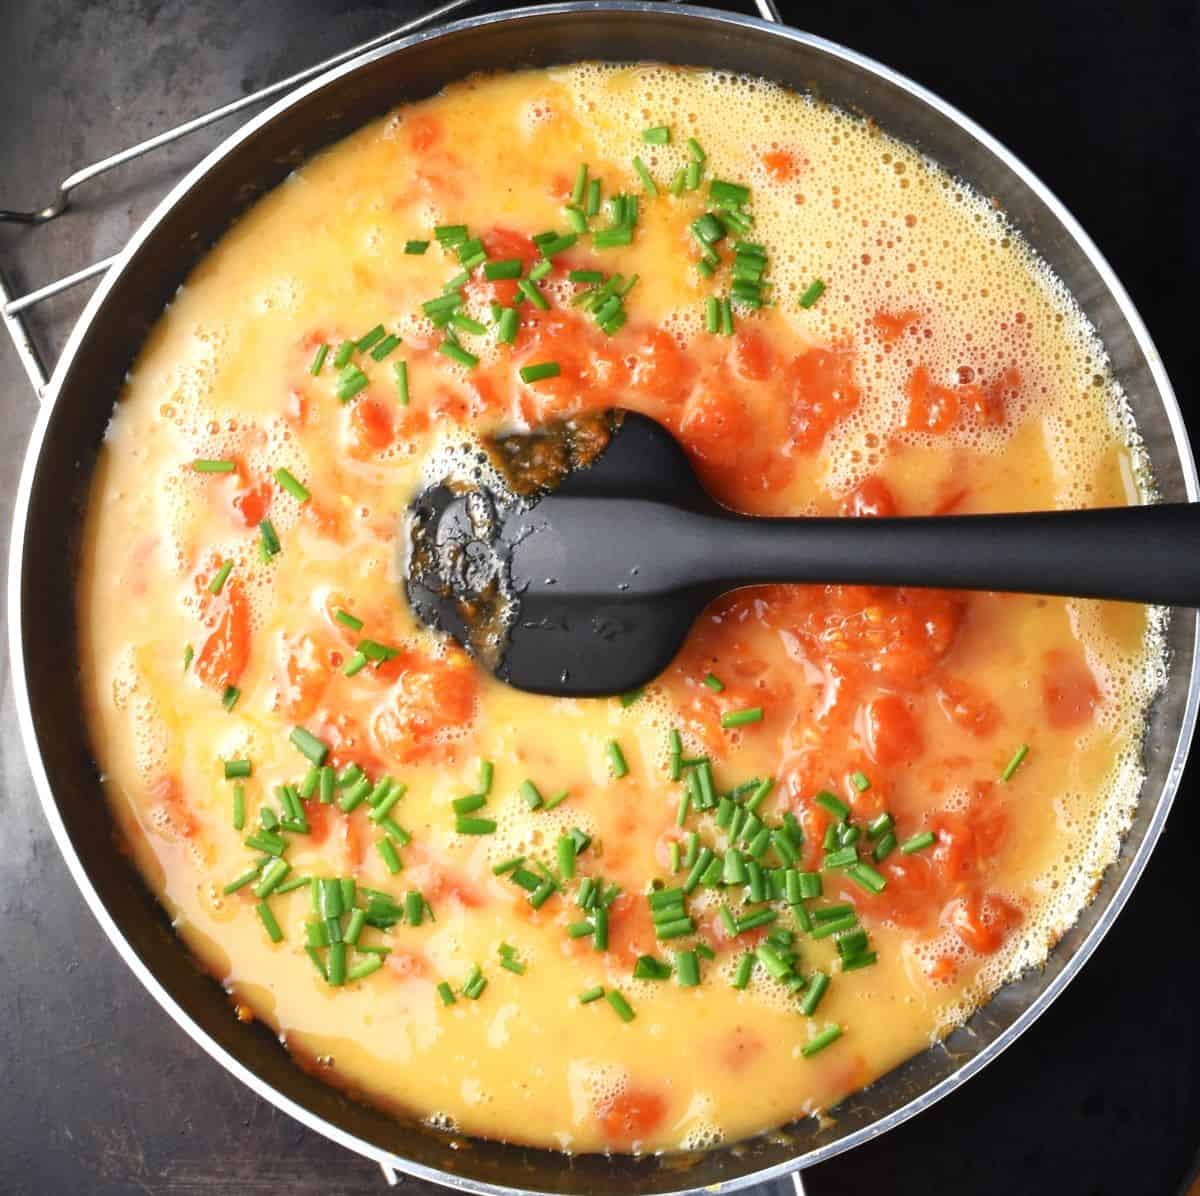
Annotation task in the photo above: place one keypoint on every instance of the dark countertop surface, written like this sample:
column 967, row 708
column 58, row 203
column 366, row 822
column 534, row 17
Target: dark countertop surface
column 105, row 1094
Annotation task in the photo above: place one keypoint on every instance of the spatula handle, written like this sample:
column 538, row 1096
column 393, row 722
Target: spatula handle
column 1139, row 554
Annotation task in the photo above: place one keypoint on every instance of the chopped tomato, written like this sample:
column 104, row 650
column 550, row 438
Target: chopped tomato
column 424, row 131
column 326, row 520
column 503, row 243
column 320, row 820
column 371, row 425
column 430, row 698
column 968, row 706
column 819, row 390
column 990, row 403
column 250, row 503
column 445, row 885
column 931, row 408
column 779, row 165
column 983, row 923
column 303, row 676
column 630, row 927
column 1069, row 689
column 716, row 425
column 347, row 741
column 891, row 733
column 407, row 964
column 223, row 656
column 752, row 356
column 631, row 1116
column 659, row 368
column 870, row 498
column 892, row 326
column 166, row 792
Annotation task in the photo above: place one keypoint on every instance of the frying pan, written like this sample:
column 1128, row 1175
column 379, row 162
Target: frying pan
column 75, row 410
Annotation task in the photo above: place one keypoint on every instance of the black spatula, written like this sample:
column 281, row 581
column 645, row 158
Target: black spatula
column 605, row 574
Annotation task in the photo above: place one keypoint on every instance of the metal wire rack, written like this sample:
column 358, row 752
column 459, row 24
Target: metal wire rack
column 13, row 307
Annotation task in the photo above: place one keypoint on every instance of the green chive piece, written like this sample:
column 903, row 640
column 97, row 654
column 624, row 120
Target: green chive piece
column 486, row 771
column 506, row 327
column 918, row 842
column 884, row 847
column 416, row 247
column 860, row 781
column 543, row 369
column 318, row 359
column 204, row 465
column 878, row 825
column 240, row 883
column 592, row 203
column 350, row 381
column 691, row 177
column 295, row 488
column 309, row 745
column 344, row 352
column 270, row 538
column 325, row 785
column 622, row 1007
column 457, row 353
column 230, row 697
column 268, row 920
column 644, row 175
column 239, row 807
column 531, row 795
column 189, row 654
column 509, row 267
column 612, row 238
column 741, row 978
column 833, row 804
column 600, row 928
column 364, row 967
column 710, row 679
column 566, row 857
column 237, row 768
column 829, row 1035
column 824, row 930
column 1015, row 763
column 649, row 968
column 385, row 347
column 810, row 885
column 474, row 826
column 466, row 324
column 712, row 323
column 400, row 369
column 308, row 787
column 818, row 982
column 813, row 292
column 591, row 994
column 389, row 855
column 468, row 804
column 218, row 582
column 531, row 292
column 450, row 235
column 726, row 318
column 658, row 135
column 741, row 718
column 843, row 857
column 337, row 964
column 866, row 876
column 687, row 969
column 629, row 698
column 698, row 155
column 580, row 187
column 446, row 993
column 272, row 874
column 348, row 620
column 616, row 759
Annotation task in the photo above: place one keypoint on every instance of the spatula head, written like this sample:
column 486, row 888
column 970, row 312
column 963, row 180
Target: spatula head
column 553, row 591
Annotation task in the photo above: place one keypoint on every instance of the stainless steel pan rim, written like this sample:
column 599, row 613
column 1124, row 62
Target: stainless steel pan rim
column 33, row 458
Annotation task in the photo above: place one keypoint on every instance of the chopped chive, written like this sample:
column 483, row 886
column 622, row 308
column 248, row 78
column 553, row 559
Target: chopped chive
column 884, row 847
column 237, row 768
column 295, row 488
column 918, row 842
column 535, row 373
column 270, row 538
column 272, row 874
column 591, row 994
column 741, row 978
column 344, row 352
column 336, row 964
column 389, row 854
column 592, row 203
column 350, row 381
column 348, row 620
column 611, row 238
column 395, row 831
column 450, row 235
column 531, row 292
column 414, row 907
column 714, row 682
column 628, row 699
column 687, row 969
column 843, row 857
column 308, row 787
column 566, row 857
column 712, row 323
column 658, row 135
column 531, row 795
column 468, row 804
column 309, row 745
column 698, row 155
column 616, row 759
column 355, row 664
column 818, row 982
column 446, row 993
column 740, row 718
column 204, row 465
column 466, row 324
column 486, row 771
column 733, row 194
column 829, row 1035
column 691, row 176
column 457, row 353
column 622, row 1007
column 189, row 654
column 1015, row 763
column 600, row 928
column 268, row 920
column 813, row 292
column 383, row 807
column 239, row 807
column 474, row 826
column 442, row 305
column 506, row 327
column 560, row 244
column 364, row 967
column 325, row 785
column 649, row 968
column 644, row 175
column 824, row 930
column 867, row 877
column 240, row 882
column 509, row 267
column 580, row 187
column 400, row 369
column 726, row 318
column 590, row 276
column 542, row 893
column 878, row 825
column 860, row 781
column 230, row 697
column 416, row 247
column 385, row 347
column 833, row 804
column 318, row 359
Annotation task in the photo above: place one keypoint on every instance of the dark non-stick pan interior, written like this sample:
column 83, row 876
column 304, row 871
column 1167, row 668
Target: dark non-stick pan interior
column 91, row 378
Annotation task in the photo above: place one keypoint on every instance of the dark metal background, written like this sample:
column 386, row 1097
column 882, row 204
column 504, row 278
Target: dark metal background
column 104, row 1094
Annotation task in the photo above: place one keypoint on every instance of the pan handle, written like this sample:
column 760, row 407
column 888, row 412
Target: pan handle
column 769, row 11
